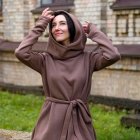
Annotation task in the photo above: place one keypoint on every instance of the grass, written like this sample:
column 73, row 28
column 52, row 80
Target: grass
column 20, row 112
column 107, row 124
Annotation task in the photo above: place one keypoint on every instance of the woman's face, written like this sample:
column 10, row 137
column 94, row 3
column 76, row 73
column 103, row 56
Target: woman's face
column 60, row 30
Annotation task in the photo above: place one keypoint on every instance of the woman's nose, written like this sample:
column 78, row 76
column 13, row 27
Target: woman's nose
column 57, row 27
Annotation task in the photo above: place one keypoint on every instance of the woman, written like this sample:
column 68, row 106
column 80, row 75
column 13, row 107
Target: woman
column 66, row 71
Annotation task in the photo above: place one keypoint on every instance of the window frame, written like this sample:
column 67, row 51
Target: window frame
column 134, row 23
column 56, row 3
column 67, row 5
column 126, row 16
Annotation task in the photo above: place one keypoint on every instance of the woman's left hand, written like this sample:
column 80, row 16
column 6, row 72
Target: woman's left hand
column 86, row 27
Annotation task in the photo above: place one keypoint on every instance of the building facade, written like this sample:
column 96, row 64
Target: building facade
column 119, row 19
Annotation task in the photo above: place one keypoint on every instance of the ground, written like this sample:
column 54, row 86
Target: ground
column 14, row 135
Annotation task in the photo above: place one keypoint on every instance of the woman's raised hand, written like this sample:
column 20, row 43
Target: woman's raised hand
column 48, row 13
column 86, row 27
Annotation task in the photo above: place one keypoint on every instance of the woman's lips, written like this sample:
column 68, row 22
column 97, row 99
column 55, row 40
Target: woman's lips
column 57, row 34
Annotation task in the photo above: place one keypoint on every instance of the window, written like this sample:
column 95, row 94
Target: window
column 56, row 2
column 0, row 5
column 66, row 5
column 122, row 25
column 137, row 25
column 45, row 2
column 1, row 19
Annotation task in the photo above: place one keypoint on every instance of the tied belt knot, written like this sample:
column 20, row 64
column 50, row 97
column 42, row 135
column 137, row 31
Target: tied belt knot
column 74, row 107
column 76, row 101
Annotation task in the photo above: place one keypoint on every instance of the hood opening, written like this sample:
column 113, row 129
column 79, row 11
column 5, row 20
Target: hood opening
column 77, row 38
column 71, row 26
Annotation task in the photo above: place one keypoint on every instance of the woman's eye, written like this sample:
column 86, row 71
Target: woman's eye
column 53, row 25
column 63, row 23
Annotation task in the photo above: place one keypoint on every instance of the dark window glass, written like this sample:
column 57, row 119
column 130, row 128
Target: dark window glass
column 0, row 4
column 54, row 5
column 56, row 2
column 44, row 2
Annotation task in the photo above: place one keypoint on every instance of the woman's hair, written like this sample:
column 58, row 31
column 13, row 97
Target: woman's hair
column 71, row 27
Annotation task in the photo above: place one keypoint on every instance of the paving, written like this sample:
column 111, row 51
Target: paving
column 14, row 135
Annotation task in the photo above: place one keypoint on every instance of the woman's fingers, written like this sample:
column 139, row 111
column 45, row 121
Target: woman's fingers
column 86, row 27
column 48, row 13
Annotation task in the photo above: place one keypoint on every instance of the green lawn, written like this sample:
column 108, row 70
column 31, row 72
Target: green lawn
column 20, row 112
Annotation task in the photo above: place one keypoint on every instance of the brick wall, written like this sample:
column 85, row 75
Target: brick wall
column 17, row 19
column 13, row 13
column 14, row 72
column 120, row 80
column 90, row 12
column 121, row 84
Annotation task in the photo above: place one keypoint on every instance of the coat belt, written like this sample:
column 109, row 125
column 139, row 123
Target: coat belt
column 72, row 111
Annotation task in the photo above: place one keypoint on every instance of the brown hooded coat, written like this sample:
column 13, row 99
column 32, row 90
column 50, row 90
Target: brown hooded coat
column 66, row 74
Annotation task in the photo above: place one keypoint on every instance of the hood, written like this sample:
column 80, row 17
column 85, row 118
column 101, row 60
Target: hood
column 60, row 51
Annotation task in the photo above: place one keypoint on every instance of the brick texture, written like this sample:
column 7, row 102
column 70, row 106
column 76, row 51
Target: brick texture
column 119, row 80
column 14, row 72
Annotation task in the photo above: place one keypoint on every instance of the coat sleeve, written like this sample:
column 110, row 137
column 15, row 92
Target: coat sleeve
column 107, row 53
column 25, row 53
